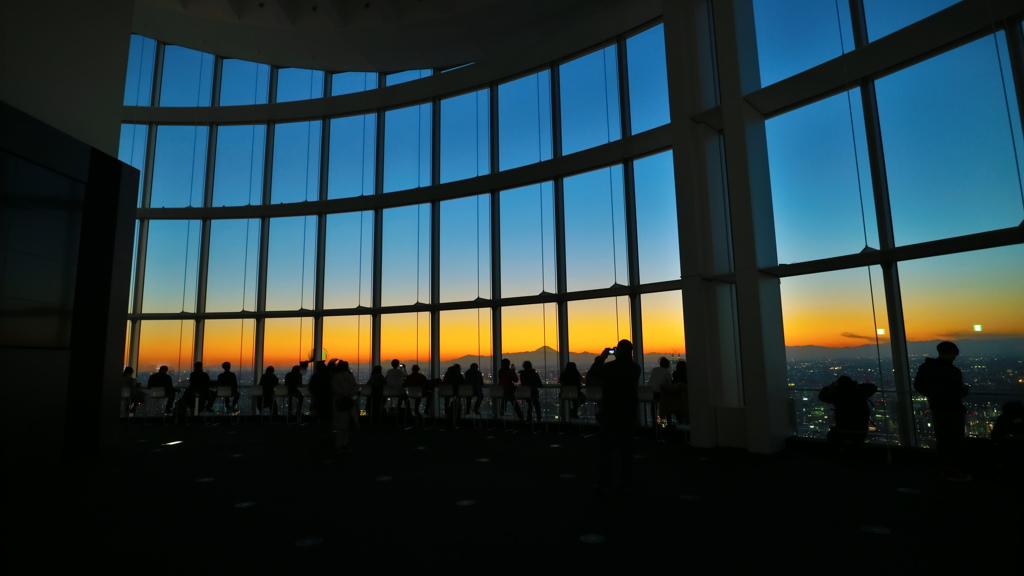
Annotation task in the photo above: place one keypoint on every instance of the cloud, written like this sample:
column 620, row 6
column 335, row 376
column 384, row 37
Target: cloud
column 857, row 336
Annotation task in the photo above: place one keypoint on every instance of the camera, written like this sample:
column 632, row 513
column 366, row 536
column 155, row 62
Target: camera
column 611, row 351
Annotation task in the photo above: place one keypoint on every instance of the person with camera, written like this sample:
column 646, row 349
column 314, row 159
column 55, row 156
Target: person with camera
column 617, row 417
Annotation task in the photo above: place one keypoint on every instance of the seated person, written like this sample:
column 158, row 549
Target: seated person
column 851, row 408
column 162, row 379
column 293, row 380
column 416, row 378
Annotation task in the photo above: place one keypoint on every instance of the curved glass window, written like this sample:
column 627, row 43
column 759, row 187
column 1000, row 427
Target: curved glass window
column 244, row 83
column 172, row 266
column 407, row 147
column 797, row 35
column 296, row 173
column 648, row 80
column 589, row 96
column 238, row 173
column 187, row 77
column 233, row 265
column 595, row 230
column 179, row 166
column 524, row 121
column 465, row 136
column 528, row 241
column 353, row 156
column 299, row 84
column 405, row 277
column 465, row 237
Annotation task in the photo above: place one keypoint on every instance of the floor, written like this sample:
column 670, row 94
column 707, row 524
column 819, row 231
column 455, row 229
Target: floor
column 274, row 498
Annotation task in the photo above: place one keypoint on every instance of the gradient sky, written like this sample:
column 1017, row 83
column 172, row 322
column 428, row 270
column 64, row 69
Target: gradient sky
column 949, row 127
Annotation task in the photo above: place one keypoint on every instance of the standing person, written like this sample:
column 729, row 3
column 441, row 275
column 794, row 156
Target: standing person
column 475, row 379
column 571, row 378
column 851, row 407
column 618, row 415
column 228, row 379
column 293, row 380
column 529, row 377
column 660, row 376
column 320, row 395
column 394, row 384
column 507, row 379
column 267, row 382
column 675, row 397
column 345, row 418
column 162, row 379
column 943, row 385
column 375, row 401
column 453, row 376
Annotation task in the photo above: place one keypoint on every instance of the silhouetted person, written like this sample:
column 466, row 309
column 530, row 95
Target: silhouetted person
column 228, row 379
column 530, row 378
column 416, row 379
column 618, row 415
column 453, row 376
column 198, row 392
column 675, row 397
column 660, row 377
column 394, row 381
column 507, row 379
column 293, row 380
column 267, row 382
column 571, row 378
column 851, row 408
column 375, row 401
column 476, row 380
column 135, row 394
column 943, row 385
column 346, row 409
column 1008, row 436
column 320, row 394
column 162, row 379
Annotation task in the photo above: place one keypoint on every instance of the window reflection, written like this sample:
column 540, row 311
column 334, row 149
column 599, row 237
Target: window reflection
column 407, row 137
column 524, row 121
column 821, row 182
column 296, row 174
column 528, row 241
column 589, row 87
column 179, row 166
column 648, row 79
column 353, row 156
column 291, row 263
column 405, row 278
column 234, row 265
column 949, row 144
column 465, row 237
column 595, row 230
column 238, row 175
column 172, row 266
column 348, row 268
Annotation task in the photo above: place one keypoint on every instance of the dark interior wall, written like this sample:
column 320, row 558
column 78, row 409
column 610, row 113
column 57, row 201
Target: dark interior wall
column 66, row 229
column 64, row 61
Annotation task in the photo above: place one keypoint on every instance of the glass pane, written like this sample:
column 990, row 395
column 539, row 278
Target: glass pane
column 179, row 167
column 973, row 299
column 238, row 175
column 466, row 339
column 296, row 162
column 407, row 148
column 352, row 82
column 885, row 17
column 821, row 180
column 299, row 84
column 348, row 274
column 349, row 338
column 231, row 341
column 286, row 342
column 595, row 325
column 796, row 35
column 165, row 343
column 132, row 150
column 405, row 278
column 187, row 77
column 407, row 338
column 589, row 88
column 595, row 230
column 648, row 79
column 466, row 248
column 353, row 156
column 531, row 333
column 138, row 84
column 406, row 76
column 835, row 325
column 662, row 321
column 243, row 83
column 172, row 266
column 291, row 263
column 524, row 121
column 528, row 252
column 465, row 136
column 234, row 265
column 657, row 227
column 960, row 175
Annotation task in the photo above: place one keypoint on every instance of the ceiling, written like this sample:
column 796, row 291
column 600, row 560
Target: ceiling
column 359, row 35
